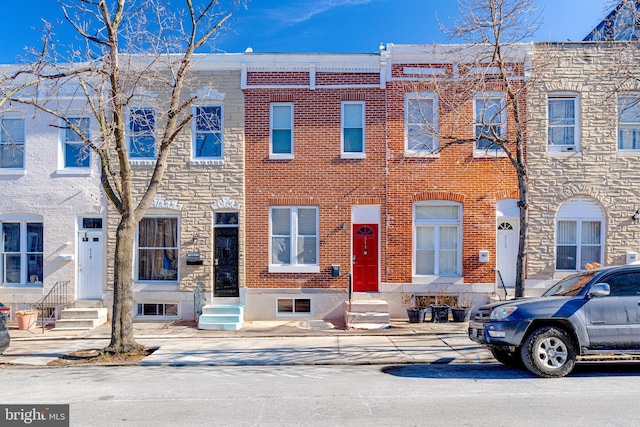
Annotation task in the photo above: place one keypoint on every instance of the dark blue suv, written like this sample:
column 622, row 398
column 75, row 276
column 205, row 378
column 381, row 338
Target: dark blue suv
column 5, row 339
column 593, row 312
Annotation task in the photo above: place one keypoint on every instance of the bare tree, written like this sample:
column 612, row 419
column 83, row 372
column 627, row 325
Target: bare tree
column 492, row 70
column 130, row 66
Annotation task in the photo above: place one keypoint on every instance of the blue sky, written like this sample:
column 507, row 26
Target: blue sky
column 320, row 25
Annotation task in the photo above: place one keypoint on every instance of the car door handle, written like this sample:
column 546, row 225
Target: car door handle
column 598, row 322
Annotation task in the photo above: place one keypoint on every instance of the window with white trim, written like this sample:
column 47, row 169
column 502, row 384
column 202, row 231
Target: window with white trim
column 563, row 123
column 294, row 239
column 75, row 152
column 291, row 306
column 156, row 310
column 208, row 132
column 421, row 123
column 629, row 122
column 142, row 138
column 281, row 134
column 157, row 253
column 579, row 234
column 22, row 252
column 490, row 115
column 437, row 238
column 12, row 140
column 353, row 129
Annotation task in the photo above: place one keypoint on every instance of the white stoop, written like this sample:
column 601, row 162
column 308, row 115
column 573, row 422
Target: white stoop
column 367, row 314
column 221, row 317
column 85, row 315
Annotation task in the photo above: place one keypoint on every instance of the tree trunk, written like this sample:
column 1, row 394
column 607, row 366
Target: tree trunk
column 523, row 204
column 122, row 340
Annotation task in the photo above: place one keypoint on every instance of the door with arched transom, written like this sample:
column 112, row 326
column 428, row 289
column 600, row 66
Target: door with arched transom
column 365, row 258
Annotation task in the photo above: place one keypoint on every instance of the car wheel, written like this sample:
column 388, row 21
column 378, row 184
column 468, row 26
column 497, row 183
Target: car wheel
column 548, row 352
column 511, row 359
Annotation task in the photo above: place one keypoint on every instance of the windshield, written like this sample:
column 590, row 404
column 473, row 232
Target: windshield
column 570, row 286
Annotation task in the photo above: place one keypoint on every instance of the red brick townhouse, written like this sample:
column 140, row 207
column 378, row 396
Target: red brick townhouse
column 451, row 214
column 315, row 159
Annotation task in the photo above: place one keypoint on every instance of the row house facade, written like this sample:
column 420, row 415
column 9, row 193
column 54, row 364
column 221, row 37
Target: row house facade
column 309, row 181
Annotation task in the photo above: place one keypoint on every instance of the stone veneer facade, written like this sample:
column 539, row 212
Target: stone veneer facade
column 596, row 73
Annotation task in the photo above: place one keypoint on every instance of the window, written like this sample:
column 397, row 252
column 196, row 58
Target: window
column 208, row 133
column 142, row 140
column 12, row 139
column 628, row 122
column 294, row 305
column 563, row 123
column 421, row 122
column 294, row 239
column 22, row 252
column 437, row 238
column 76, row 153
column 281, row 131
column 353, row 129
column 156, row 310
column 158, row 249
column 490, row 122
column 579, row 234
column 624, row 285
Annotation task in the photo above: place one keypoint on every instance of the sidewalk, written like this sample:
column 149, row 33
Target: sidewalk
column 261, row 343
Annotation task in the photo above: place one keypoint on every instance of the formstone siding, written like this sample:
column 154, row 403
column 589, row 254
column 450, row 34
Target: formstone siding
column 596, row 72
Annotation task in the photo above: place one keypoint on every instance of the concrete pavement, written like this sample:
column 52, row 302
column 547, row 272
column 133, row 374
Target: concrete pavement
column 261, row 343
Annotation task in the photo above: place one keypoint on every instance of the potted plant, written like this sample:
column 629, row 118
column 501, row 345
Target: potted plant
column 460, row 309
column 415, row 305
column 26, row 319
column 440, row 307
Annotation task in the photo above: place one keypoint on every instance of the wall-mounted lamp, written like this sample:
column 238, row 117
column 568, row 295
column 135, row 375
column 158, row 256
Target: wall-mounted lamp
column 636, row 215
column 194, row 239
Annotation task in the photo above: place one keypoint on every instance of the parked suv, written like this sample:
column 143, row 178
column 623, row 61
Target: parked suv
column 5, row 339
column 593, row 312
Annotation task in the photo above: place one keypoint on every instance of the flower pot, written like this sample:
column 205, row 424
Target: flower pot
column 26, row 319
column 440, row 313
column 459, row 314
column 416, row 315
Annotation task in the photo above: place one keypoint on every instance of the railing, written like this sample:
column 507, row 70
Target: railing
column 58, row 296
column 501, row 282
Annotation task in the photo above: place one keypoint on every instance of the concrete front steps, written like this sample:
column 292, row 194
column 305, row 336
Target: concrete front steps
column 367, row 314
column 84, row 315
column 221, row 317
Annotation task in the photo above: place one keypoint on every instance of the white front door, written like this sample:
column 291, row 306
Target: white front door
column 507, row 250
column 90, row 265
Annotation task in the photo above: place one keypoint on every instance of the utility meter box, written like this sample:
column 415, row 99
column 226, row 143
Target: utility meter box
column 632, row 257
column 483, row 256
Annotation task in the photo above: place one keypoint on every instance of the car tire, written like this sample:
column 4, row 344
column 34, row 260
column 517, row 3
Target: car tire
column 511, row 359
column 548, row 352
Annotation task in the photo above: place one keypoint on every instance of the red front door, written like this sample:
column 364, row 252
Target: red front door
column 365, row 258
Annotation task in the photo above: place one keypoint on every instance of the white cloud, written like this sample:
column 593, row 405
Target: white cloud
column 301, row 11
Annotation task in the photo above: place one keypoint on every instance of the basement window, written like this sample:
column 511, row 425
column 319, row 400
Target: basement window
column 287, row 306
column 151, row 310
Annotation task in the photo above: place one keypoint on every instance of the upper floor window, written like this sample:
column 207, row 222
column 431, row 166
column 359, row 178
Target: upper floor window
column 12, row 139
column 22, row 252
column 142, row 128
column 294, row 239
column 158, row 249
column 629, row 122
column 421, row 122
column 490, row 122
column 437, row 240
column 208, row 132
column 353, row 133
column 76, row 153
column 563, row 127
column 281, row 146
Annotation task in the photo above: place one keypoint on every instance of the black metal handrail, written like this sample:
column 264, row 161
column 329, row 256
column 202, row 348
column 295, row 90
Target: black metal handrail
column 58, row 296
column 502, row 283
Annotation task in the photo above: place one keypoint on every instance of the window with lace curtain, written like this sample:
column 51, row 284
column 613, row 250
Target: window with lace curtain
column 158, row 249
column 437, row 239
column 579, row 234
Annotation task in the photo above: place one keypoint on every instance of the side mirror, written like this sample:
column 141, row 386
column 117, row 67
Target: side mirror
column 599, row 290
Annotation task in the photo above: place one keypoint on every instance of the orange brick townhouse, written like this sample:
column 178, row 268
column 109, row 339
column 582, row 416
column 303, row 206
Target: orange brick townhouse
column 346, row 212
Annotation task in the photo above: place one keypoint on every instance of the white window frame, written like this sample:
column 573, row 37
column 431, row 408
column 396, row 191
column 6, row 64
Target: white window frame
column 485, row 96
column 421, row 126
column 293, row 266
column 20, row 169
column 152, row 132
column 136, row 260
column 64, row 143
column 630, row 126
column 195, row 132
column 565, row 148
column 294, row 313
column 140, row 305
column 22, row 220
column 281, row 156
column 578, row 243
column 352, row 154
column 437, row 224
